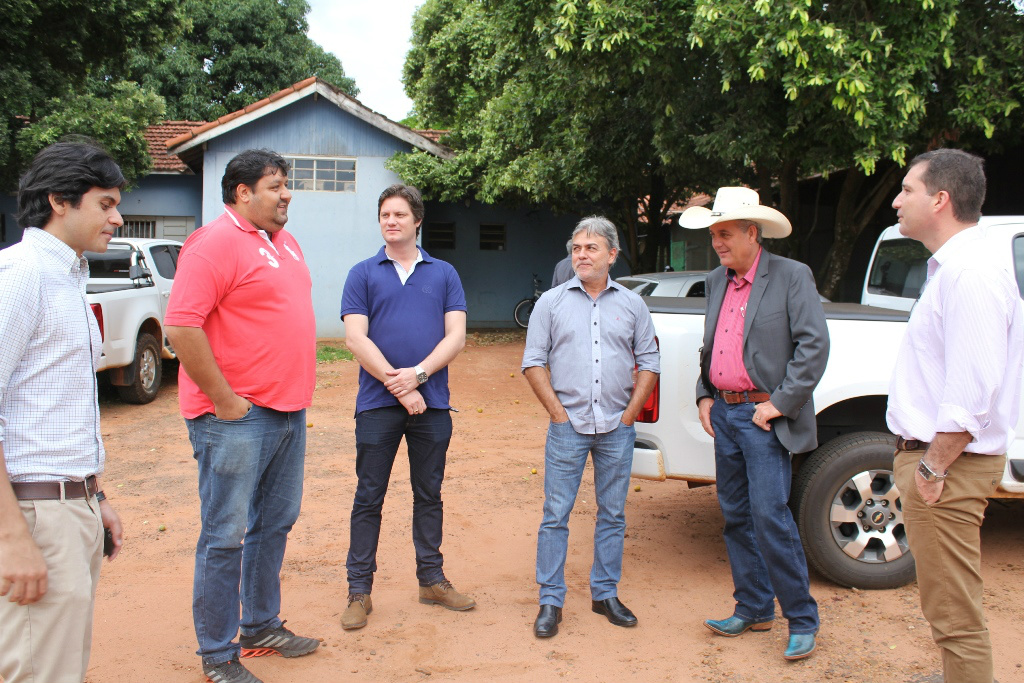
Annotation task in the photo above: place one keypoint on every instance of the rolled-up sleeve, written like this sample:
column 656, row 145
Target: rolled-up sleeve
column 538, row 335
column 645, row 346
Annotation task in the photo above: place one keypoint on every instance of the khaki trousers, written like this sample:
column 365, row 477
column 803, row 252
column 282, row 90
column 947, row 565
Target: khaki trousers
column 945, row 538
column 49, row 640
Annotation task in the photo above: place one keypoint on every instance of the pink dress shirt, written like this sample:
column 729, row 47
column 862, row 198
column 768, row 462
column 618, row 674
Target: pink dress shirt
column 727, row 370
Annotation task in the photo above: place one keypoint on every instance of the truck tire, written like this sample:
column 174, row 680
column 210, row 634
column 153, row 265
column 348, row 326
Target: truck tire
column 147, row 371
column 522, row 312
column 849, row 514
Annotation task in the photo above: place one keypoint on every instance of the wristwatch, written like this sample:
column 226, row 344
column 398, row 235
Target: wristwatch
column 928, row 473
column 421, row 374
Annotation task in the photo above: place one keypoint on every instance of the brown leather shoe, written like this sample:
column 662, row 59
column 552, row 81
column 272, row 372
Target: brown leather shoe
column 354, row 616
column 444, row 594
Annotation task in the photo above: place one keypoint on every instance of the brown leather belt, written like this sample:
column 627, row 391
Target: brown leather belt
column 52, row 490
column 744, row 396
column 911, row 444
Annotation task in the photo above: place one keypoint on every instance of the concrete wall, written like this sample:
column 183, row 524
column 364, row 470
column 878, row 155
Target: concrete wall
column 496, row 280
column 165, row 194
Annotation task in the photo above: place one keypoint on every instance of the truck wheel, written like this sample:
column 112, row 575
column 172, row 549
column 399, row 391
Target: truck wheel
column 849, row 513
column 148, row 372
column 522, row 312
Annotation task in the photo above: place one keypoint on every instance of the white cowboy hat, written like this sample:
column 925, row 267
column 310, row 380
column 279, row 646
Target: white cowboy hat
column 737, row 203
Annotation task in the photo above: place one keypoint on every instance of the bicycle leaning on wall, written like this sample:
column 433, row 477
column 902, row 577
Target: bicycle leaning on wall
column 523, row 309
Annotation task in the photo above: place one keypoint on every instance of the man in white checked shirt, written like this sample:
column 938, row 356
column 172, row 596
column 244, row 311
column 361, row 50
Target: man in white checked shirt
column 52, row 509
column 954, row 400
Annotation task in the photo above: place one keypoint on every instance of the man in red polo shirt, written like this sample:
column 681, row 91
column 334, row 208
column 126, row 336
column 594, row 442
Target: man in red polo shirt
column 241, row 320
column 765, row 349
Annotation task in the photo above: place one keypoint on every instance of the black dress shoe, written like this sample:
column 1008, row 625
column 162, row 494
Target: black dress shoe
column 616, row 612
column 547, row 621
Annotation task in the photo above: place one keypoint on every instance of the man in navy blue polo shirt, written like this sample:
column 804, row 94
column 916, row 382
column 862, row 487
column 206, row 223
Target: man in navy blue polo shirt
column 405, row 321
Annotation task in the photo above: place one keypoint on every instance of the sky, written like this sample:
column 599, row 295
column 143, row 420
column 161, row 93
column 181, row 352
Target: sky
column 371, row 39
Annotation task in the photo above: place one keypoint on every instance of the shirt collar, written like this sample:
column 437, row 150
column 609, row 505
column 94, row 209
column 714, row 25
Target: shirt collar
column 577, row 283
column 382, row 256
column 953, row 244
column 55, row 248
column 238, row 220
column 749, row 276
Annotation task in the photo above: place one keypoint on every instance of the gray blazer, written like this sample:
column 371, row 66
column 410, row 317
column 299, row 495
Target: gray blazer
column 785, row 343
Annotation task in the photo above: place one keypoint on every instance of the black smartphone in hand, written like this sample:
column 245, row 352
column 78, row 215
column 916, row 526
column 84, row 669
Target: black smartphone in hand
column 108, row 542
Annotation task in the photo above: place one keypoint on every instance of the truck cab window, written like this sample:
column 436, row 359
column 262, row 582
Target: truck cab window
column 113, row 263
column 900, row 268
column 164, row 260
column 1018, row 261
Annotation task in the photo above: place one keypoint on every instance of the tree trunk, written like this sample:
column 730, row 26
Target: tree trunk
column 860, row 198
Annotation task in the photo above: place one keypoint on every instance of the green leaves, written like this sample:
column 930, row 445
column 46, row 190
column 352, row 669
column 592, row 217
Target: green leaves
column 118, row 121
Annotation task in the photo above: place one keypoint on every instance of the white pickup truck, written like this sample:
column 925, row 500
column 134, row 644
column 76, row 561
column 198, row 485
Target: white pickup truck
column 843, row 498
column 128, row 289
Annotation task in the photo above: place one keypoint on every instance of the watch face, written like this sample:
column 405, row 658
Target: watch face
column 421, row 378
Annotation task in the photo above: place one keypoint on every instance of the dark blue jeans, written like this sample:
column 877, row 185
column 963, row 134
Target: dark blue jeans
column 250, row 490
column 753, row 473
column 378, row 434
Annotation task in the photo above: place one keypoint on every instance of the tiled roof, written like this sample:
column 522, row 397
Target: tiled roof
column 157, row 136
column 432, row 133
column 191, row 133
column 184, row 143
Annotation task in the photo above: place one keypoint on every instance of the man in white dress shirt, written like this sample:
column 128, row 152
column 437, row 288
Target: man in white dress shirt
column 52, row 508
column 954, row 400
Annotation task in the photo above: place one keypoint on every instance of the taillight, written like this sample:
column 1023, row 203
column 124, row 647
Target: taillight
column 97, row 311
column 649, row 413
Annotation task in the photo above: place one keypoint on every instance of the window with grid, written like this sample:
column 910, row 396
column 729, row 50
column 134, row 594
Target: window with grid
column 321, row 174
column 137, row 227
column 492, row 236
column 439, row 236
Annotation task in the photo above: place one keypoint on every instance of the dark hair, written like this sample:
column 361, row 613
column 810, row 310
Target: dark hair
column 247, row 168
column 67, row 169
column 409, row 194
column 960, row 174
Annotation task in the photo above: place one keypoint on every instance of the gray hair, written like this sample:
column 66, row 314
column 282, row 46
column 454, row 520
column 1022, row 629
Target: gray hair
column 597, row 225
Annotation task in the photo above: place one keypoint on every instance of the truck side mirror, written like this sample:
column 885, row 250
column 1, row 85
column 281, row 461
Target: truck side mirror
column 137, row 270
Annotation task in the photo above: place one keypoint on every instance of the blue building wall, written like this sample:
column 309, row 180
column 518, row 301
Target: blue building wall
column 335, row 230
column 165, row 194
column 496, row 280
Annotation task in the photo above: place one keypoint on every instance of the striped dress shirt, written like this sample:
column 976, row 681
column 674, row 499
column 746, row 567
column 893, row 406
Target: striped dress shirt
column 49, row 347
column 959, row 367
column 590, row 346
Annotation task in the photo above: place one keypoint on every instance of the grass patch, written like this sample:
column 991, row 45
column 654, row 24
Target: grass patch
column 331, row 354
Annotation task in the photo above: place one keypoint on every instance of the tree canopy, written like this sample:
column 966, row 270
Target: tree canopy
column 110, row 69
column 232, row 54
column 632, row 104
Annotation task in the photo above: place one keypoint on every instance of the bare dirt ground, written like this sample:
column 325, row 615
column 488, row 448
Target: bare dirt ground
column 675, row 572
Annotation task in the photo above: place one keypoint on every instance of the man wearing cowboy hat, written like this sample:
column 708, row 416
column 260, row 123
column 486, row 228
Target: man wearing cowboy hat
column 765, row 349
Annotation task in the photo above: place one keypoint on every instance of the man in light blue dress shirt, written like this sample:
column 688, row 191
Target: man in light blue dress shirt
column 585, row 339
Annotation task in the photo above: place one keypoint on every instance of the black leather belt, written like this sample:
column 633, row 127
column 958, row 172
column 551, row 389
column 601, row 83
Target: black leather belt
column 55, row 490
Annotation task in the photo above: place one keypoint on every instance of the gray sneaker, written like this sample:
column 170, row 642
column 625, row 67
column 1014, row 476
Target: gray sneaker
column 229, row 672
column 277, row 641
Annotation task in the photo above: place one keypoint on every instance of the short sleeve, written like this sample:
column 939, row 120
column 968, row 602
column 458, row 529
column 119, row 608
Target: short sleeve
column 355, row 295
column 455, row 296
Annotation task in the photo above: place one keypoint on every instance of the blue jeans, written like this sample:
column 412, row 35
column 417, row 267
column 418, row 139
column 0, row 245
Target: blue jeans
column 753, row 473
column 565, row 455
column 250, row 489
column 378, row 434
